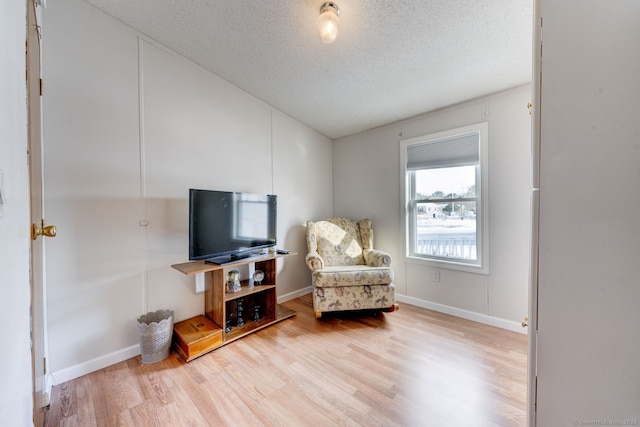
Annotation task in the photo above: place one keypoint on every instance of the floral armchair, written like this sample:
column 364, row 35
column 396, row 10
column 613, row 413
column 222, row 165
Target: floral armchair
column 347, row 273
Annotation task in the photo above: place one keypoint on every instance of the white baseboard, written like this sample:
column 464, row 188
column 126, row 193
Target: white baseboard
column 93, row 365
column 465, row 314
column 295, row 294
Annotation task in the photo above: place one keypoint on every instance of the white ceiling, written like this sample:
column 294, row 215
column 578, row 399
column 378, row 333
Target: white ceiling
column 393, row 59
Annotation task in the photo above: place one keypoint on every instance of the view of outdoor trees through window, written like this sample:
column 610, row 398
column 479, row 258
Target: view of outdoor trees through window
column 445, row 203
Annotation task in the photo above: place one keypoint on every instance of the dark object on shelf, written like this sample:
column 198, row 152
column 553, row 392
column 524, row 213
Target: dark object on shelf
column 256, row 313
column 240, row 309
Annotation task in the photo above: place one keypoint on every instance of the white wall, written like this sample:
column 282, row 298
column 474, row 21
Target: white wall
column 370, row 163
column 304, row 173
column 589, row 286
column 129, row 127
column 95, row 265
column 15, row 358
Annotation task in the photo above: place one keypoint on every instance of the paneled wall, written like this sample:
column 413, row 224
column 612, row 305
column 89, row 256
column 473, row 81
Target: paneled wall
column 129, row 127
column 370, row 163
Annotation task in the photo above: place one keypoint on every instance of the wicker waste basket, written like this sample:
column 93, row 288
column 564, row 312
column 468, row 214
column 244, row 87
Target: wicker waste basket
column 155, row 330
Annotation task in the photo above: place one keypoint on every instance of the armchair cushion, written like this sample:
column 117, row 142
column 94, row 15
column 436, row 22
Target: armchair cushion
column 355, row 275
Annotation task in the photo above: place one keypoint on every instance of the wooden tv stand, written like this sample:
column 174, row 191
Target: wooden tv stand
column 201, row 334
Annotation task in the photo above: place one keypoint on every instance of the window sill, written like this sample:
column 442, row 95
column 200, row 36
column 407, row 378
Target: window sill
column 448, row 265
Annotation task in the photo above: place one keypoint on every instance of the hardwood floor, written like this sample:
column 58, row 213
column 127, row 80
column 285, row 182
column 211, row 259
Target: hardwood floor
column 413, row 367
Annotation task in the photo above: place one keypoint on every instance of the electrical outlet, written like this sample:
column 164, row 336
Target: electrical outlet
column 435, row 276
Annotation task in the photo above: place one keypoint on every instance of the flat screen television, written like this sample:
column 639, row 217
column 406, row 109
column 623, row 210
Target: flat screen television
column 226, row 226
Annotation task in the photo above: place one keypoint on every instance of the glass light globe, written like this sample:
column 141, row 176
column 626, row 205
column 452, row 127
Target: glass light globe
column 328, row 23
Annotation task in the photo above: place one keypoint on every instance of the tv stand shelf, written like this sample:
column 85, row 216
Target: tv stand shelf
column 201, row 334
column 247, row 289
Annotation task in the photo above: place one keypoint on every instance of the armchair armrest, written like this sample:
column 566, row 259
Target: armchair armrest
column 314, row 261
column 377, row 258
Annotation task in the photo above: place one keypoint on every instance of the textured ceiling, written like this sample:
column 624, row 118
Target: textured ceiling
column 393, row 59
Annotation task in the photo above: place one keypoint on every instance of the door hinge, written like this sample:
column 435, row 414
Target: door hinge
column 40, row 87
column 44, row 365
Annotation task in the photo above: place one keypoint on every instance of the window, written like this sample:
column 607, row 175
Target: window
column 445, row 198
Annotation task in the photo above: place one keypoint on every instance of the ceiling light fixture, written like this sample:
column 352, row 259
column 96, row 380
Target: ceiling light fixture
column 328, row 22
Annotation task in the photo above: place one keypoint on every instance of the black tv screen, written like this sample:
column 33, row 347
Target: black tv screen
column 225, row 226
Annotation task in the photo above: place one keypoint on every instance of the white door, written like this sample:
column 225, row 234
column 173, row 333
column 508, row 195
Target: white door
column 588, row 343
column 38, row 307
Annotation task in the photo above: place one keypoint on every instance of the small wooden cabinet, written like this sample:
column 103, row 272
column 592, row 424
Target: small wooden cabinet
column 258, row 302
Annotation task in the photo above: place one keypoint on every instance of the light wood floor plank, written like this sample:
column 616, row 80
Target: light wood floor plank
column 413, row 367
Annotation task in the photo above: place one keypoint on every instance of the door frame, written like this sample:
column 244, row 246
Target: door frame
column 41, row 379
column 532, row 345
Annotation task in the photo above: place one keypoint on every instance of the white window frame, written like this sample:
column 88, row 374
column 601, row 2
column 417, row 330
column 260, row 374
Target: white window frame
column 481, row 266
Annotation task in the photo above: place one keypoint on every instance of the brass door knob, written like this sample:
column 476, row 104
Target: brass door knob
column 48, row 231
